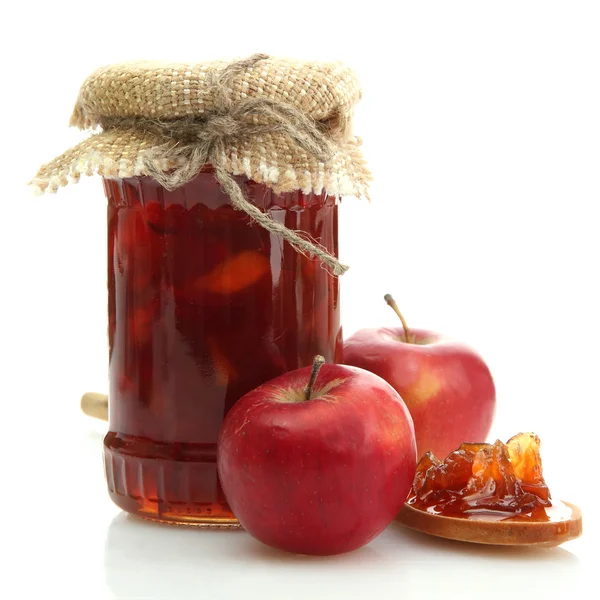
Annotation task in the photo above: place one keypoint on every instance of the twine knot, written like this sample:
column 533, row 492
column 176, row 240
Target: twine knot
column 221, row 126
column 192, row 143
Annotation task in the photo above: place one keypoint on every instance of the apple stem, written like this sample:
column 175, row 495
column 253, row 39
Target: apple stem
column 318, row 362
column 391, row 302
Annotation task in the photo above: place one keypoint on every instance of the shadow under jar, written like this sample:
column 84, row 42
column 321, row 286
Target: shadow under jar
column 204, row 305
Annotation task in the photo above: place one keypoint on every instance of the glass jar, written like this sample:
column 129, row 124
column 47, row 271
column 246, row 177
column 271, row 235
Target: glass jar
column 204, row 305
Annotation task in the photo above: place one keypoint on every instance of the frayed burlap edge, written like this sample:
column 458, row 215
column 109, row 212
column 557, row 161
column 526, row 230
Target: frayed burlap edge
column 118, row 154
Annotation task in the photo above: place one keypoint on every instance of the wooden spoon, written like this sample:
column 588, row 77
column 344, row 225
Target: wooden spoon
column 565, row 524
column 95, row 405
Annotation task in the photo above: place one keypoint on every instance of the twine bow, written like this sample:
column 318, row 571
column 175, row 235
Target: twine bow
column 193, row 143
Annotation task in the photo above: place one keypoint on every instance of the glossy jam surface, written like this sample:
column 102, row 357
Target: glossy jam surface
column 204, row 305
column 486, row 481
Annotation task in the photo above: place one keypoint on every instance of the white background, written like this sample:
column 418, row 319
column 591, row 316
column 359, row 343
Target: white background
column 481, row 123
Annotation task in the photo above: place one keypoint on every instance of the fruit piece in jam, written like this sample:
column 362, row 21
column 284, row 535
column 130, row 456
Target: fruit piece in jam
column 477, row 479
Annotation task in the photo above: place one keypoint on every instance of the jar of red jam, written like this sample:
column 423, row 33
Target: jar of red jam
column 203, row 307
column 223, row 181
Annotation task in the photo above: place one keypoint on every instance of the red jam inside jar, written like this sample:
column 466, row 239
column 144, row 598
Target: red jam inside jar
column 204, row 305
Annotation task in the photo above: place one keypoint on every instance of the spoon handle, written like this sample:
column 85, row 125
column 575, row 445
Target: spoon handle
column 95, row 405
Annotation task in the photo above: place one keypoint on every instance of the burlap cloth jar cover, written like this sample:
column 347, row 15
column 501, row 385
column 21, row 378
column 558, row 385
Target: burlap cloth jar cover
column 281, row 122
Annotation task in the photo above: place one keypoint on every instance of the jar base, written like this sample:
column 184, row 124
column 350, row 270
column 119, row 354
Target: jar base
column 160, row 514
column 177, row 485
column 201, row 524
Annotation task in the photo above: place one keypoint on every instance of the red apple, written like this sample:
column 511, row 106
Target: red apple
column 446, row 385
column 317, row 462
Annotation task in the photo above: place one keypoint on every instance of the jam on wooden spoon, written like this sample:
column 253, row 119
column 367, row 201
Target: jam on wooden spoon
column 489, row 494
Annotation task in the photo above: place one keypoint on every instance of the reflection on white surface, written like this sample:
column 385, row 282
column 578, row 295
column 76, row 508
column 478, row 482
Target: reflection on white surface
column 145, row 561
